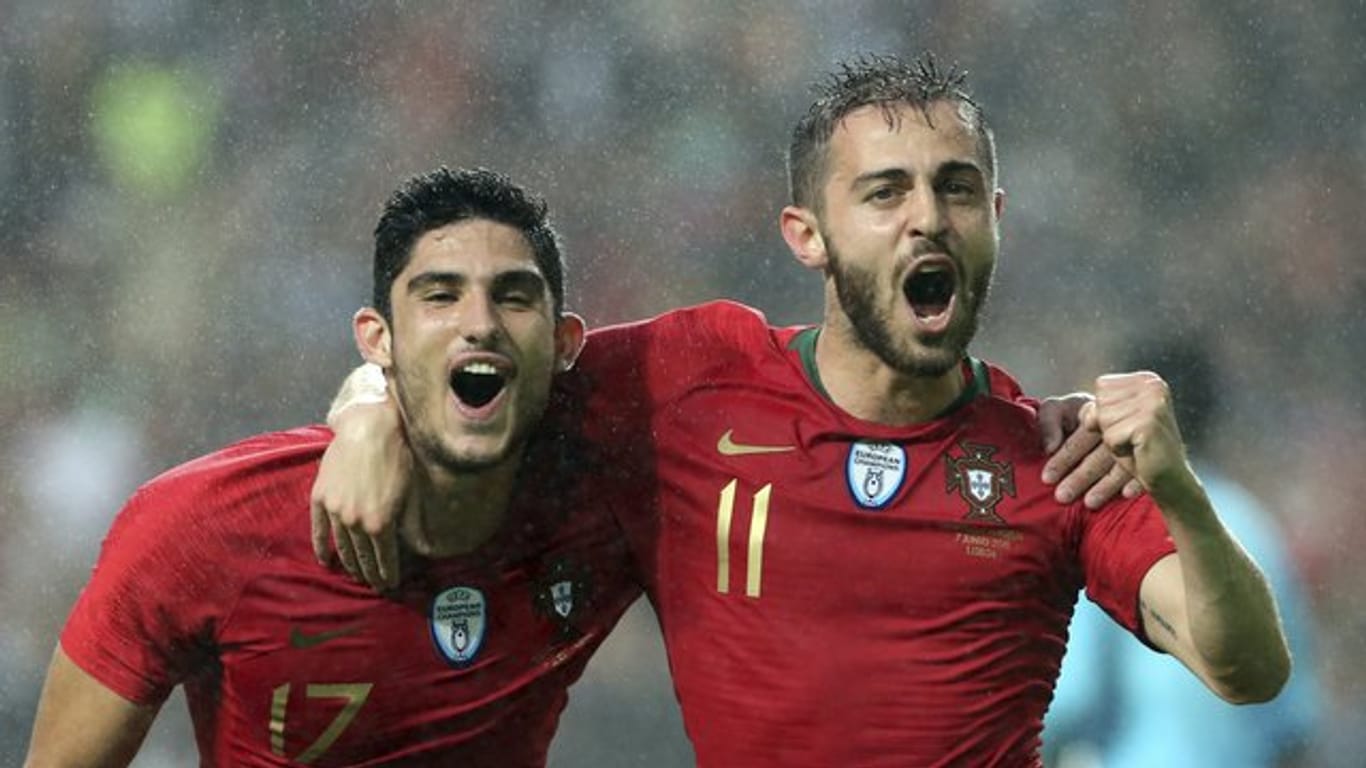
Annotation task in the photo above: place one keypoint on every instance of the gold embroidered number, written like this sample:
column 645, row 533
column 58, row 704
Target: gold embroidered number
column 758, row 524
column 355, row 695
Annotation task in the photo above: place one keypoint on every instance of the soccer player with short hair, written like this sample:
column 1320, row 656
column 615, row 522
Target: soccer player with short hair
column 516, row 569
column 842, row 527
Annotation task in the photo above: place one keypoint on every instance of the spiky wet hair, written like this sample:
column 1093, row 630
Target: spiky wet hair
column 443, row 196
column 888, row 82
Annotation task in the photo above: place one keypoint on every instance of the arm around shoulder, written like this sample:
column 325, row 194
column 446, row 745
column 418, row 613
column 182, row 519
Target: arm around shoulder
column 83, row 724
column 362, row 480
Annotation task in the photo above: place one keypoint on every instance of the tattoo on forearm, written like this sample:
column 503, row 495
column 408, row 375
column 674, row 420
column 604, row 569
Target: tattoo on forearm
column 1167, row 625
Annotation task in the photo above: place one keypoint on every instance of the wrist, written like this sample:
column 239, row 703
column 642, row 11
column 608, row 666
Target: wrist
column 1178, row 491
column 365, row 422
column 366, row 385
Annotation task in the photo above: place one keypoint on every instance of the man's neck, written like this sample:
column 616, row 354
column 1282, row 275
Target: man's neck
column 864, row 386
column 454, row 513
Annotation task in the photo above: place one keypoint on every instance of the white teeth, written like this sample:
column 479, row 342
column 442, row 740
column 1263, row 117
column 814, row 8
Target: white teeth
column 483, row 369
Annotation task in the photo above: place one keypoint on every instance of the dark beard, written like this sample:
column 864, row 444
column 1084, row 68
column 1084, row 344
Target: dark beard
column 427, row 445
column 857, row 292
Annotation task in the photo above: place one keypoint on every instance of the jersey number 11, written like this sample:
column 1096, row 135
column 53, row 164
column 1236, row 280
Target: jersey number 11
column 758, row 523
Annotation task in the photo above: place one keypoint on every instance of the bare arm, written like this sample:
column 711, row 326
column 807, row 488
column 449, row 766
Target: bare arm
column 82, row 724
column 1208, row 604
column 362, row 481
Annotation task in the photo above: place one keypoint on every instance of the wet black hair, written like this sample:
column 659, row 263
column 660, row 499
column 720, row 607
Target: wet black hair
column 437, row 198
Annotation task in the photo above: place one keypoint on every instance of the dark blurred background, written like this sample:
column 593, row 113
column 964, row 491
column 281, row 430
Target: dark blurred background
column 187, row 191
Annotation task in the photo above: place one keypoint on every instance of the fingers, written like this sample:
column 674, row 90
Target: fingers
column 321, row 528
column 1121, row 422
column 1078, row 445
column 1107, row 487
column 1051, row 426
column 1116, row 412
column 1089, row 417
column 357, row 495
column 386, row 558
column 346, row 552
column 1093, row 466
column 1133, row 489
column 1086, row 461
column 371, row 558
column 366, row 559
column 1058, row 417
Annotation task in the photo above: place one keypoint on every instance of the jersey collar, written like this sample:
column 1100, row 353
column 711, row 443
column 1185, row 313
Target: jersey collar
column 976, row 379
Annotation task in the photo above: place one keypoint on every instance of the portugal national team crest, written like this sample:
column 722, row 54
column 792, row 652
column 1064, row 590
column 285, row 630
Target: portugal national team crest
column 875, row 472
column 458, row 619
column 563, row 593
column 980, row 481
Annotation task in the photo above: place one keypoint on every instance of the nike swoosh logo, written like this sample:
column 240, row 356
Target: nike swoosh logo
column 728, row 447
column 301, row 641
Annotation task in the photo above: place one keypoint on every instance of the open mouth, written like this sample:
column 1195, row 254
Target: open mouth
column 930, row 289
column 476, row 384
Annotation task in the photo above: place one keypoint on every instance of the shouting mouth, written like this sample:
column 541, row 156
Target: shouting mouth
column 478, row 386
column 931, row 290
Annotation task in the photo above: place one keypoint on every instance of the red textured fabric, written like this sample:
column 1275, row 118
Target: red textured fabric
column 207, row 579
column 805, row 629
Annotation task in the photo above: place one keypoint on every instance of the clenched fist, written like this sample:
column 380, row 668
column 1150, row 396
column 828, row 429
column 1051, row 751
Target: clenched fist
column 1133, row 414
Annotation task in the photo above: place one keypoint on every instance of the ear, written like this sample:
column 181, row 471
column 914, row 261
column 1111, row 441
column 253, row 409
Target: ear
column 372, row 337
column 802, row 232
column 569, row 338
column 998, row 201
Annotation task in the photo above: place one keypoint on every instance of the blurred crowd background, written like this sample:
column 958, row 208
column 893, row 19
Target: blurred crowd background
column 187, row 191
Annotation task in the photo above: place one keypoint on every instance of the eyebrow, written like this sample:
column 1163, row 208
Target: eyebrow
column 511, row 278
column 958, row 166
column 901, row 176
column 426, row 279
column 885, row 174
column 526, row 279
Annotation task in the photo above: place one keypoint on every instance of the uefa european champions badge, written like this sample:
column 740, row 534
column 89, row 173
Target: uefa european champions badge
column 459, row 616
column 875, row 472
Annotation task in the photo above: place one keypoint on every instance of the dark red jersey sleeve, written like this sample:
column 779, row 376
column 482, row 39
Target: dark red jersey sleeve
column 654, row 358
column 142, row 623
column 1119, row 543
column 630, row 375
column 173, row 563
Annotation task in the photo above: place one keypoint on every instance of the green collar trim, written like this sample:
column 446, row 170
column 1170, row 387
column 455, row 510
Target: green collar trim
column 805, row 345
column 980, row 386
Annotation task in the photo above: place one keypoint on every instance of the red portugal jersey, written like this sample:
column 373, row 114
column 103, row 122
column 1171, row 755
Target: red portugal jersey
column 208, row 579
column 838, row 592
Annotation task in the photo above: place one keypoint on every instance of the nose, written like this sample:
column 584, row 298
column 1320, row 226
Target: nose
column 479, row 320
column 926, row 217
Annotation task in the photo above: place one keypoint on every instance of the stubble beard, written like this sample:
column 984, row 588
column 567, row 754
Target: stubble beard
column 424, row 433
column 857, row 292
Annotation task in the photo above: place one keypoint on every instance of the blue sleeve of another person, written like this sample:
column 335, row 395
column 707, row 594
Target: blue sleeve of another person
column 1133, row 707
